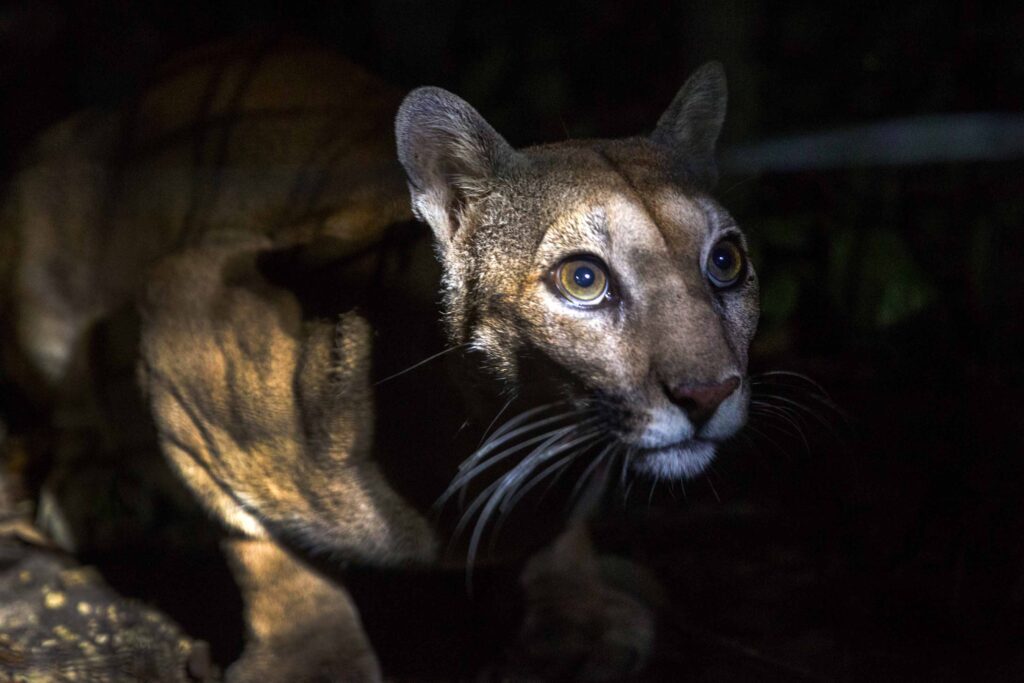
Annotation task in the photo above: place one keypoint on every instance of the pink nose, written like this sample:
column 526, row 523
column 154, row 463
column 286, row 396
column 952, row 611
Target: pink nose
column 700, row 401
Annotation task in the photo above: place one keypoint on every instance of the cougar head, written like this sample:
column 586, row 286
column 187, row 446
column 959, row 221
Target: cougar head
column 607, row 262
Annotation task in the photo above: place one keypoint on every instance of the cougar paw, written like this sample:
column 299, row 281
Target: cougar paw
column 582, row 631
column 303, row 664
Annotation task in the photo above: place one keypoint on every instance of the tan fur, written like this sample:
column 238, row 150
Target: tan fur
column 258, row 150
column 300, row 626
column 261, row 411
column 269, row 420
column 226, row 143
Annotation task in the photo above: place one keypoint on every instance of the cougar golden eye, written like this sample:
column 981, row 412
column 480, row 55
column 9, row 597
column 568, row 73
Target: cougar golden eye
column 583, row 281
column 725, row 263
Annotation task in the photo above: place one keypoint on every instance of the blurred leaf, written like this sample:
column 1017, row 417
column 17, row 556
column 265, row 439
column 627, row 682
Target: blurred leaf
column 779, row 297
column 874, row 280
column 895, row 280
column 893, row 287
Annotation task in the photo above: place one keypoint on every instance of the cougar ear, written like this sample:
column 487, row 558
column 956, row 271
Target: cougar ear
column 449, row 152
column 691, row 124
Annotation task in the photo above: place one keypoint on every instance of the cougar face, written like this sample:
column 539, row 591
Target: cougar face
column 601, row 270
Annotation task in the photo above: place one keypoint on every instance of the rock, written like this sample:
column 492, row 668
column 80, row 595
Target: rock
column 61, row 622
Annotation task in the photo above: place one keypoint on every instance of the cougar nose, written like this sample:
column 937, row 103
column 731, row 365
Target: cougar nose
column 699, row 401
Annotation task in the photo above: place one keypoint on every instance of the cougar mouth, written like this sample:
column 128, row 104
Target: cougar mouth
column 682, row 460
column 665, row 442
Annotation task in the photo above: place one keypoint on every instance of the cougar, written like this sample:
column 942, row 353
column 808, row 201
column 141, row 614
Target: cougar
column 338, row 384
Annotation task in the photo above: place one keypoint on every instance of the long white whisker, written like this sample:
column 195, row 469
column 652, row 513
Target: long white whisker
column 466, row 475
column 800, row 406
column 500, row 440
column 476, row 463
column 513, row 500
column 766, row 409
column 816, row 393
column 625, row 468
column 714, row 491
column 589, row 471
column 488, row 495
column 510, row 501
column 786, row 373
column 522, row 417
column 770, row 440
column 591, row 494
column 530, row 459
column 511, row 481
column 422, row 362
column 501, row 412
column 654, row 485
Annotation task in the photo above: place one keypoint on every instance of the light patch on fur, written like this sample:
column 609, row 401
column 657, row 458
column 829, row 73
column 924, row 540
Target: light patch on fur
column 679, row 210
column 665, row 426
column 580, row 230
column 729, row 417
column 683, row 461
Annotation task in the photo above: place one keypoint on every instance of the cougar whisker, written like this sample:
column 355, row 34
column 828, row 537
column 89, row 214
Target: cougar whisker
column 422, row 362
column 509, row 483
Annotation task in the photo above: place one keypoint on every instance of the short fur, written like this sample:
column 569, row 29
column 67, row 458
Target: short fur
column 244, row 157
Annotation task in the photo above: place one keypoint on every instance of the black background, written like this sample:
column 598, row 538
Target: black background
column 890, row 545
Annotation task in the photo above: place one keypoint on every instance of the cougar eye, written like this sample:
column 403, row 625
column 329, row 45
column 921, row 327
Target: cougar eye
column 582, row 280
column 725, row 263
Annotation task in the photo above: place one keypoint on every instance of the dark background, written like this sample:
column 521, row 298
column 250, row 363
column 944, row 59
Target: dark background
column 884, row 542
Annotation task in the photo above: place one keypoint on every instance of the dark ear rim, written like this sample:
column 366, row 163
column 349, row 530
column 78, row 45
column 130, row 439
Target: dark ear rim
column 690, row 126
column 450, row 155
column 453, row 123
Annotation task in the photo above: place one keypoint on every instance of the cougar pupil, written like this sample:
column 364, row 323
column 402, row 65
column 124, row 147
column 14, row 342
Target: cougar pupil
column 584, row 277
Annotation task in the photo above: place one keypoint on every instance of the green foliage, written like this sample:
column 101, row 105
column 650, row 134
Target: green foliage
column 867, row 279
column 875, row 274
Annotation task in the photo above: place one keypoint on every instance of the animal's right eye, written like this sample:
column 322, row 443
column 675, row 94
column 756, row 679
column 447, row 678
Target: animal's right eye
column 582, row 280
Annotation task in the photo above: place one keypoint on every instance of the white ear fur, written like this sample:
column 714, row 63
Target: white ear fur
column 691, row 124
column 449, row 152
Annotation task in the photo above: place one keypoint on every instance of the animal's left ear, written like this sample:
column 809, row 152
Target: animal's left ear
column 691, row 124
